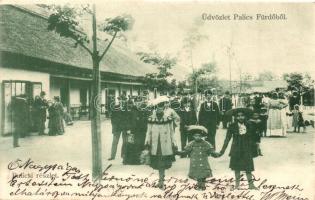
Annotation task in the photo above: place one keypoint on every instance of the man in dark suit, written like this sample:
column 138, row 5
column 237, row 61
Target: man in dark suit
column 209, row 117
column 257, row 102
column 188, row 116
column 20, row 114
column 40, row 106
column 120, row 120
column 225, row 105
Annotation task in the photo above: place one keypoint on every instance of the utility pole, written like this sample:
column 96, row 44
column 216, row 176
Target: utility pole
column 196, row 80
column 95, row 112
column 241, row 81
column 230, row 55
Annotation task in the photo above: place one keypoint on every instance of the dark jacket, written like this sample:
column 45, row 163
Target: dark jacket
column 40, row 106
column 257, row 103
column 122, row 119
column 294, row 100
column 187, row 117
column 209, row 115
column 238, row 147
column 225, row 104
column 20, row 113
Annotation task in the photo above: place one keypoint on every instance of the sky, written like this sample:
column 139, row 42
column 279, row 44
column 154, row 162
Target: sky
column 278, row 46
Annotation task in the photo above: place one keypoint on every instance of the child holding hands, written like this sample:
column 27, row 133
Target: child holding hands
column 199, row 150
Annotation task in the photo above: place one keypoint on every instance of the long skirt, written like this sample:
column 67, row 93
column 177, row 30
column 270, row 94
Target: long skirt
column 277, row 123
column 160, row 162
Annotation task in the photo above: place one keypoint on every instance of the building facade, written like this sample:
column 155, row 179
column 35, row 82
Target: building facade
column 33, row 59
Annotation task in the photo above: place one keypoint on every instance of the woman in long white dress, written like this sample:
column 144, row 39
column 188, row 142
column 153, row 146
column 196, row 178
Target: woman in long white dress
column 277, row 122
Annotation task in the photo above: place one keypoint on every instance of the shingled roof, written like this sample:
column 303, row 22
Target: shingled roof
column 23, row 30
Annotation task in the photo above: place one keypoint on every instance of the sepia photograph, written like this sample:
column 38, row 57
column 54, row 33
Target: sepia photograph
column 147, row 99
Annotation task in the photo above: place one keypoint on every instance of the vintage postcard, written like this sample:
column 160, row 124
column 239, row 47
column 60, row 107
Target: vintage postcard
column 172, row 100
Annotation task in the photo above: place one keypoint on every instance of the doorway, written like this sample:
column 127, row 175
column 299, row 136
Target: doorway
column 11, row 88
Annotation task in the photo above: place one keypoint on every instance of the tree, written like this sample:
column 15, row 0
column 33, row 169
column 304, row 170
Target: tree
column 181, row 86
column 204, row 77
column 266, row 76
column 164, row 65
column 194, row 37
column 65, row 20
column 299, row 82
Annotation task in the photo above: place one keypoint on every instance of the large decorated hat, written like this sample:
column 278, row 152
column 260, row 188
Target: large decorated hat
column 158, row 100
column 197, row 129
column 234, row 111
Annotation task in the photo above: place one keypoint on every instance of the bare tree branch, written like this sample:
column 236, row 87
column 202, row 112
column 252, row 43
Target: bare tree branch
column 108, row 46
column 85, row 47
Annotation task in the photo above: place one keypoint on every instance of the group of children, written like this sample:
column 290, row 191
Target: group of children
column 245, row 146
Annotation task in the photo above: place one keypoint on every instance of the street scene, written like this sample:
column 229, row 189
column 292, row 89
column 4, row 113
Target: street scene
column 171, row 101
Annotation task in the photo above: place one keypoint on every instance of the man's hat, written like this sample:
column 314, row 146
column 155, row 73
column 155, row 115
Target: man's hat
column 197, row 129
column 208, row 92
column 42, row 93
column 234, row 111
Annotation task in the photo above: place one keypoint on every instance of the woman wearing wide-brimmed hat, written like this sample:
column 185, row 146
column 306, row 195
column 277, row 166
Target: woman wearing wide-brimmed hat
column 160, row 136
column 241, row 153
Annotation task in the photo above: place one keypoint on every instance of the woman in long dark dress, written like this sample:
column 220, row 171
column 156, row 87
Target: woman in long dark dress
column 53, row 119
column 131, row 155
column 55, row 123
column 60, row 112
column 242, row 148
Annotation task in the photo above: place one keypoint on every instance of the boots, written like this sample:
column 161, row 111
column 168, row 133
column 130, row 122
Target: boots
column 237, row 180
column 161, row 183
column 250, row 180
column 161, row 179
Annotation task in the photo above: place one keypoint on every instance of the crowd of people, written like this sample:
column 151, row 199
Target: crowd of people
column 149, row 126
column 56, row 117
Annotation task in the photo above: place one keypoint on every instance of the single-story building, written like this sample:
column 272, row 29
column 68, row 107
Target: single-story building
column 33, row 59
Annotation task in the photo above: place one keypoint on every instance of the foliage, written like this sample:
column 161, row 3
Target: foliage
column 118, row 24
column 299, row 82
column 205, row 77
column 65, row 20
column 181, row 86
column 266, row 76
column 164, row 64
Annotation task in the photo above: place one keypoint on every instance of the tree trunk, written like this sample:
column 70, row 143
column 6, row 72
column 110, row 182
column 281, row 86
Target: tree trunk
column 95, row 110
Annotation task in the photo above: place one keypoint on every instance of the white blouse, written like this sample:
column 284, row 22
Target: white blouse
column 241, row 129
